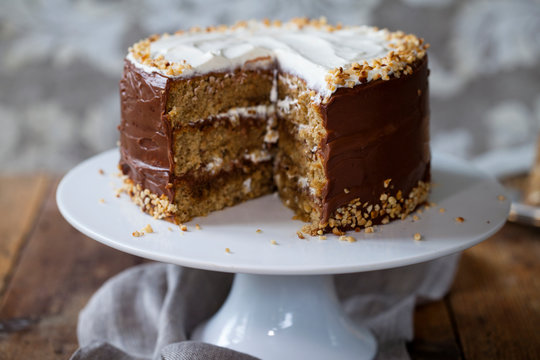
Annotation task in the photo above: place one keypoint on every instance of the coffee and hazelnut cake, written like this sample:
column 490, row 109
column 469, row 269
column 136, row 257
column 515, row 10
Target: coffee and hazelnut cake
column 334, row 118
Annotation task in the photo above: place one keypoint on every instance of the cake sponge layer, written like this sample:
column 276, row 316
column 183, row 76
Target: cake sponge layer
column 190, row 100
column 198, row 196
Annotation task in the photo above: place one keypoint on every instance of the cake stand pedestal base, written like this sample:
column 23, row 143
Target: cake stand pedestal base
column 287, row 317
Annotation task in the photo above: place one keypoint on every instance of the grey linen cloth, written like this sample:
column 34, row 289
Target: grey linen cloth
column 148, row 311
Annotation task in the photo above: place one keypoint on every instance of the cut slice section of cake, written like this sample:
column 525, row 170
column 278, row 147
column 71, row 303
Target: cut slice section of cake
column 336, row 119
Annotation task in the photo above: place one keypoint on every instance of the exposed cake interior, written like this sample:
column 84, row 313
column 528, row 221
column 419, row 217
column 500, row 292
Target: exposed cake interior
column 299, row 164
column 345, row 147
column 222, row 143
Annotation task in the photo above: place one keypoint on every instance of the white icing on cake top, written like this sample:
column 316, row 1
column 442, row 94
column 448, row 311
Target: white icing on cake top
column 310, row 52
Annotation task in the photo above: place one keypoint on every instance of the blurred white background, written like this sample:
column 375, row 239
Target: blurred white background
column 61, row 60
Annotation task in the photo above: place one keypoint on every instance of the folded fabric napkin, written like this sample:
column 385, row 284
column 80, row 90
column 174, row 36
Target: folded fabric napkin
column 148, row 311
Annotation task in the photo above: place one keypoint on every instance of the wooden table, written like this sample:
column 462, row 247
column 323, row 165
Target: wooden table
column 48, row 271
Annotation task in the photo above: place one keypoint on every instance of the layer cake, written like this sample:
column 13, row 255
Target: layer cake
column 336, row 119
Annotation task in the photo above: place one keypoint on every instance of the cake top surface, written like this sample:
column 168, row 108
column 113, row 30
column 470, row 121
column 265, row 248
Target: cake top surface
column 326, row 57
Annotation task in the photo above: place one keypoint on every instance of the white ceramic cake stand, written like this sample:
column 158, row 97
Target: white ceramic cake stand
column 283, row 304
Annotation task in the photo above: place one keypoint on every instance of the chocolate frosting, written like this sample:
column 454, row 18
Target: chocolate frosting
column 376, row 131
column 145, row 131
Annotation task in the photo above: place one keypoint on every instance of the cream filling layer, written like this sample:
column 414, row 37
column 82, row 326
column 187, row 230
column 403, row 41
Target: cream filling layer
column 217, row 164
column 234, row 114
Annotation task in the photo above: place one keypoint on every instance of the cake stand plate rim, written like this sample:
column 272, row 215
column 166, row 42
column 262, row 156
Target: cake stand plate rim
column 112, row 220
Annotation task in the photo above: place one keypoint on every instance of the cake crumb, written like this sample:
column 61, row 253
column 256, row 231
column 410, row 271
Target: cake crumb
column 336, row 231
column 442, row 210
column 169, row 228
column 417, row 237
column 322, row 237
column 300, row 235
column 273, row 242
column 197, row 226
column 228, row 251
column 501, row 197
column 137, row 233
column 295, row 217
column 102, row 201
column 101, row 172
column 370, row 230
column 386, row 183
column 357, row 229
column 258, row 231
column 415, row 218
column 148, row 229
column 346, row 191
column 459, row 219
column 347, row 238
column 183, row 227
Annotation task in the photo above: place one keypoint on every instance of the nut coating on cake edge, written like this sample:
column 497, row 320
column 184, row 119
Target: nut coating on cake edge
column 356, row 215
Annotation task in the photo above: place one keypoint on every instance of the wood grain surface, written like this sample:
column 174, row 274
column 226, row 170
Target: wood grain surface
column 57, row 272
column 48, row 271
